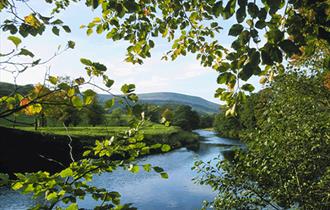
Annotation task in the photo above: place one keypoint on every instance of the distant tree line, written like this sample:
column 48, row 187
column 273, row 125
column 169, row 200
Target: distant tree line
column 57, row 111
column 178, row 115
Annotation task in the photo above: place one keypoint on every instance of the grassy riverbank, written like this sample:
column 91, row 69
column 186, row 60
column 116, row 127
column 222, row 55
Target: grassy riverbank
column 25, row 150
column 154, row 133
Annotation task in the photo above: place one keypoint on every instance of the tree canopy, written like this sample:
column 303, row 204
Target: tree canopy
column 264, row 33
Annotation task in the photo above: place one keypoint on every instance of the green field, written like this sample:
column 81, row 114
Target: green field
column 154, row 133
column 151, row 129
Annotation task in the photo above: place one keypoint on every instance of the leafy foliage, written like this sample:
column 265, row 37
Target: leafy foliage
column 185, row 118
column 286, row 163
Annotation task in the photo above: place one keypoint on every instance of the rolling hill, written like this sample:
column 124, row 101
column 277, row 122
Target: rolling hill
column 158, row 98
column 161, row 98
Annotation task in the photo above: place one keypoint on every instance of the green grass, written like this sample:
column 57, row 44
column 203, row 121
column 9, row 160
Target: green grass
column 153, row 129
column 154, row 133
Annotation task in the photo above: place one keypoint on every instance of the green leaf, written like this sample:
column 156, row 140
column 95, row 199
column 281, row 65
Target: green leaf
column 253, row 10
column 89, row 92
column 77, row 102
column 214, row 24
column 241, row 14
column 64, row 86
column 217, row 8
column 66, row 172
column 164, row 175
column 99, row 66
column 99, row 29
column 26, row 52
column 158, row 169
column 247, row 87
column 53, row 80
column 36, row 62
column 229, row 9
column 274, row 36
column 249, row 22
column 86, row 62
column 88, row 100
column 56, row 31
column 86, row 153
column 134, row 169
column 97, row 20
column 15, row 40
column 147, row 167
column 109, row 83
column 151, row 43
column 66, row 28
column 225, row 78
column 57, row 22
column 235, row 30
column 89, row 31
column 71, row 44
column 71, row 92
column 289, row 47
column 260, row 24
column 51, row 196
column 276, row 54
column 224, row 66
column 128, row 88
column 17, row 186
column 80, row 80
column 166, row 148
column 266, row 59
column 109, row 103
column 95, row 3
column 246, row 72
column 262, row 15
column 73, row 206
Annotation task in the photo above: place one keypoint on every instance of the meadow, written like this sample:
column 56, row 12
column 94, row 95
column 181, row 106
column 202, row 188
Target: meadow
column 151, row 129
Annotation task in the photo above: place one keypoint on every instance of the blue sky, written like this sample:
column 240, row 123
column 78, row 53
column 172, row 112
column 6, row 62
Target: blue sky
column 184, row 75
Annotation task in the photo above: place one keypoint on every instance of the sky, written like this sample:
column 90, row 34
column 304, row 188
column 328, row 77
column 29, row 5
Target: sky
column 184, row 75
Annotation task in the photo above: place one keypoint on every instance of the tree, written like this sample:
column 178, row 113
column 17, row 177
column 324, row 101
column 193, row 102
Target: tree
column 152, row 112
column 118, row 117
column 168, row 114
column 185, row 117
column 70, row 116
column 227, row 126
column 206, row 121
column 286, row 164
column 95, row 113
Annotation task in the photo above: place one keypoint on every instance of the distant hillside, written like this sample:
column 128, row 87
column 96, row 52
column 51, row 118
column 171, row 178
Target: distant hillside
column 8, row 88
column 161, row 98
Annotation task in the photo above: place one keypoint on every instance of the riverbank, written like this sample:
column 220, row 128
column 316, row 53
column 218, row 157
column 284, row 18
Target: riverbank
column 154, row 133
column 26, row 150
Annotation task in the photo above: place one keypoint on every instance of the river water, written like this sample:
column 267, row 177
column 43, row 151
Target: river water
column 148, row 191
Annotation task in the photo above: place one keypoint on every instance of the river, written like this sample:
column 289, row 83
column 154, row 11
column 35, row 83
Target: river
column 148, row 191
